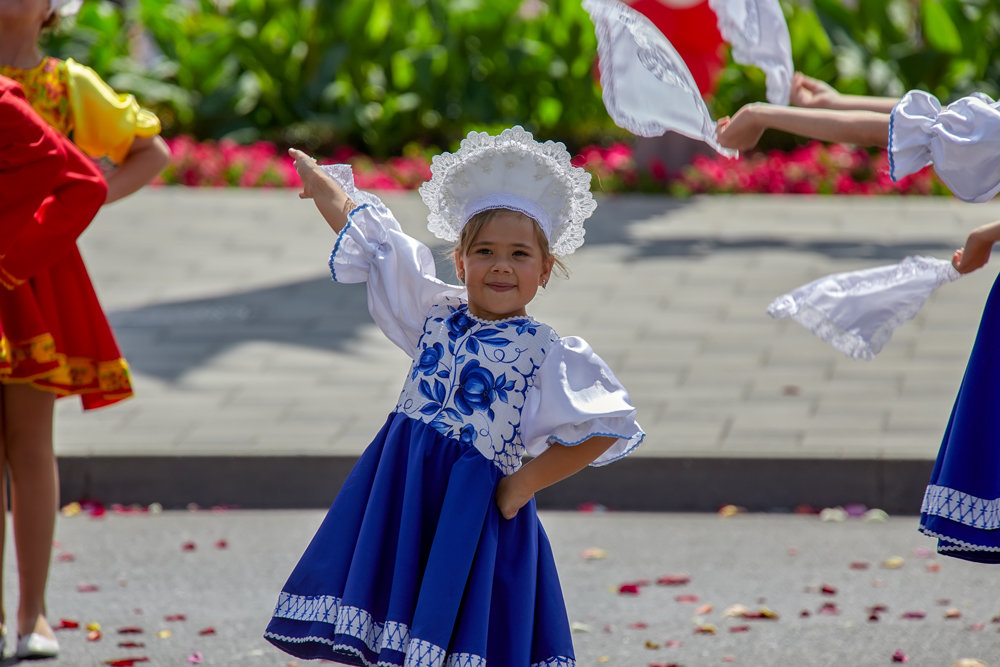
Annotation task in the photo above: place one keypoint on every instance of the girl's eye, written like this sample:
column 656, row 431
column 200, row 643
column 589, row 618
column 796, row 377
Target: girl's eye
column 483, row 251
column 521, row 253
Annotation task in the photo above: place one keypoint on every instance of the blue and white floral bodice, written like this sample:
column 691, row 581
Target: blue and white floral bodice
column 469, row 378
column 508, row 387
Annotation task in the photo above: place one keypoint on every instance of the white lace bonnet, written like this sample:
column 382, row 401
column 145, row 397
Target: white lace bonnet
column 510, row 171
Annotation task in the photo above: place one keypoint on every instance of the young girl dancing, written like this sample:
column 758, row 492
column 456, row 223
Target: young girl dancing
column 961, row 505
column 59, row 337
column 49, row 192
column 432, row 553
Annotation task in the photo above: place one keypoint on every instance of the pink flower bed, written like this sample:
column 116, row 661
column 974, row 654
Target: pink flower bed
column 813, row 169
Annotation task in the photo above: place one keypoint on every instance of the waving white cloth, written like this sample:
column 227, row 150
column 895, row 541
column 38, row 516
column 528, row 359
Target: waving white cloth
column 647, row 88
column 858, row 311
column 758, row 34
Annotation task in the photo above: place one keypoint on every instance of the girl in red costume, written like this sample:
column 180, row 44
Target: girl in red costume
column 56, row 340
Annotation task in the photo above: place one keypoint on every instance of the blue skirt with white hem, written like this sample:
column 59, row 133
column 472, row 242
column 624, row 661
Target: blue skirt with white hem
column 961, row 506
column 414, row 566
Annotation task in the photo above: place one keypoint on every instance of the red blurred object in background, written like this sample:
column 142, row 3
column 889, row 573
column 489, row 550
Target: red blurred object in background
column 693, row 29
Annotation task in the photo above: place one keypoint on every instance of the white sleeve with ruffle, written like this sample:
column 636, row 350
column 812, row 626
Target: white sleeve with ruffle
column 398, row 269
column 961, row 140
column 576, row 397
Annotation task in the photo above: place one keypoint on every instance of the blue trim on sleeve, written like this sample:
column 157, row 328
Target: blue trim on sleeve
column 641, row 436
column 892, row 123
column 340, row 236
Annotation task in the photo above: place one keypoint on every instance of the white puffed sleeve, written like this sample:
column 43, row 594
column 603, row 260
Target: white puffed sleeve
column 398, row 269
column 576, row 397
column 962, row 141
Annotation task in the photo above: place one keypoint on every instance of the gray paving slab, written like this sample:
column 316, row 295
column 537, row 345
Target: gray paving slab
column 241, row 347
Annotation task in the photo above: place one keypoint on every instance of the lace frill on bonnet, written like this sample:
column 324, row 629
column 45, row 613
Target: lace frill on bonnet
column 507, row 171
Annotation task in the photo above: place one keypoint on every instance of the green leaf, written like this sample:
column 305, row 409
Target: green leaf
column 940, row 30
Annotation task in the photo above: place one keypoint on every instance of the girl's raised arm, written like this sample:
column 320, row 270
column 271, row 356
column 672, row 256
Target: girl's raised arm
column 332, row 202
column 815, row 94
column 145, row 159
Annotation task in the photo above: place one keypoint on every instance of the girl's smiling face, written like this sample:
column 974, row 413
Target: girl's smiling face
column 503, row 266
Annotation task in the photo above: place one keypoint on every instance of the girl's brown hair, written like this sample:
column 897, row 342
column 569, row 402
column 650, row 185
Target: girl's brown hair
column 476, row 223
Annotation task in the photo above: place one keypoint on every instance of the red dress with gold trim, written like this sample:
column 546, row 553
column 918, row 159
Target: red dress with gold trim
column 53, row 333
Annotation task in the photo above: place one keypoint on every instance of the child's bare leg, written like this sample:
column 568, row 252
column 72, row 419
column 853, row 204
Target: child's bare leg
column 27, row 421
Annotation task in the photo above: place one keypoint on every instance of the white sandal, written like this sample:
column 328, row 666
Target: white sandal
column 36, row 646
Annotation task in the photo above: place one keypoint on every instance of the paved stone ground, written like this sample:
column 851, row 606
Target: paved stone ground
column 258, row 381
column 133, row 572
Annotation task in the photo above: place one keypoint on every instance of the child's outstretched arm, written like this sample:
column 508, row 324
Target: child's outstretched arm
column 815, row 94
column 332, row 202
column 744, row 129
column 145, row 159
column 554, row 464
column 977, row 248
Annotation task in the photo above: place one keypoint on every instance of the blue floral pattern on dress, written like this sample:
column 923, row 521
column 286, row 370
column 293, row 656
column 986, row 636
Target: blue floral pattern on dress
column 469, row 378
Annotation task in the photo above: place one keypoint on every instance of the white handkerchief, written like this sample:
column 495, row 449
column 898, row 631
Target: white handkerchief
column 758, row 33
column 344, row 175
column 858, row 311
column 647, row 88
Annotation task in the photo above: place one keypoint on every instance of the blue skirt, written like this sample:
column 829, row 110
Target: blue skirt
column 414, row 566
column 962, row 504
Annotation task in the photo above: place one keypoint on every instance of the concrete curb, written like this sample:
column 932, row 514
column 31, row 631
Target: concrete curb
column 633, row 484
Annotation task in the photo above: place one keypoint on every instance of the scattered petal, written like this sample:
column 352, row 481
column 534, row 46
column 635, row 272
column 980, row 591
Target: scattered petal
column 131, row 645
column 591, row 507
column 93, row 626
column 575, row 626
column 94, row 635
column 806, row 509
column 189, row 546
column 951, row 612
column 195, row 658
column 664, row 664
column 130, row 630
column 608, row 628
column 87, row 588
column 977, row 626
column 915, row 615
column 674, row 580
column 729, row 658
column 126, row 662
column 829, row 609
column 206, row 631
column 628, row 589
column 833, row 514
column 706, row 629
column 859, row 565
column 855, row 509
column 969, row 662
column 736, row 610
column 893, row 563
column 877, row 609
column 687, row 598
column 933, row 567
column 593, row 553
column 604, row 658
column 740, row 628
column 793, row 551
column 652, row 644
column 944, row 602
column 71, row 509
column 923, row 552
column 155, row 508
column 673, row 643
column 703, row 610
column 805, row 613
column 164, row 634
column 67, row 624
column 827, row 589
column 221, row 544
column 65, row 557
column 175, row 617
column 899, row 656
column 731, row 510
column 876, row 515
column 639, row 625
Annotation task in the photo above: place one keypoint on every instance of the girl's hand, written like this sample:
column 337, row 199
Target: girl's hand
column 809, row 92
column 511, row 497
column 312, row 176
column 978, row 247
column 742, row 131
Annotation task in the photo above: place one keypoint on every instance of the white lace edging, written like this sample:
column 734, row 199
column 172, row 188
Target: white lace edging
column 961, row 507
column 541, row 172
column 854, row 345
column 951, row 544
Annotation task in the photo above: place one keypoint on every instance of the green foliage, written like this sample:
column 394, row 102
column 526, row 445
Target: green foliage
column 373, row 73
